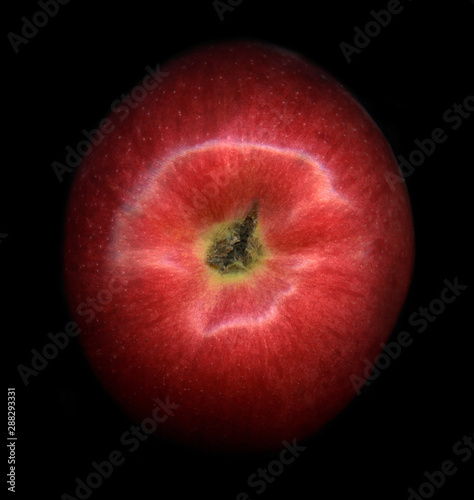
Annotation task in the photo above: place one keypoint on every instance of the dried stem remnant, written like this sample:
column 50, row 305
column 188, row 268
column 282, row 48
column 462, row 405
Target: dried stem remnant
column 236, row 249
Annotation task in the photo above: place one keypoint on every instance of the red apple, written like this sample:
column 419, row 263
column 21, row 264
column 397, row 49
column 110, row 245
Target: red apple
column 233, row 247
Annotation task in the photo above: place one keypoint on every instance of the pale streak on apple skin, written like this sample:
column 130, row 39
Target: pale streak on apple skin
column 148, row 258
column 134, row 206
column 247, row 320
column 127, row 257
column 283, row 283
column 232, row 143
column 161, row 165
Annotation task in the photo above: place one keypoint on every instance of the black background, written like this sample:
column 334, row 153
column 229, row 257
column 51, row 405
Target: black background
column 65, row 79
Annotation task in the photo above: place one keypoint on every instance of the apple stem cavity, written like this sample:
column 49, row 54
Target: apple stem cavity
column 235, row 249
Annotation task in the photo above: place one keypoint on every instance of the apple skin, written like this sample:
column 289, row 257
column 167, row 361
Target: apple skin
column 267, row 356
